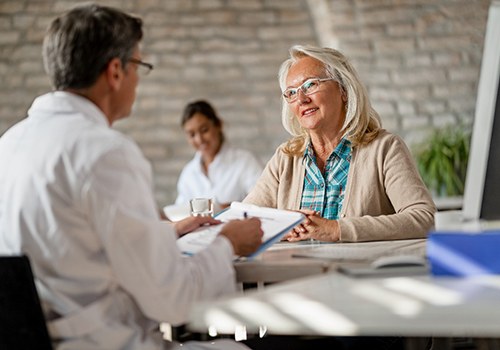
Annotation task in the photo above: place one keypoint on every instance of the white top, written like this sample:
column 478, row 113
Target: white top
column 231, row 176
column 76, row 197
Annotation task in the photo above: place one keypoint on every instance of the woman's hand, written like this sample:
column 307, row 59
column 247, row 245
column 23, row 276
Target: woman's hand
column 315, row 227
column 300, row 228
column 191, row 223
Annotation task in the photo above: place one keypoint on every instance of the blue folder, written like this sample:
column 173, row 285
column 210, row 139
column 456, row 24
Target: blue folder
column 464, row 253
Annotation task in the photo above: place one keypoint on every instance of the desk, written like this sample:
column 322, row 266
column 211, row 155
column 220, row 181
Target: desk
column 336, row 305
column 329, row 303
column 277, row 264
column 449, row 203
column 285, row 261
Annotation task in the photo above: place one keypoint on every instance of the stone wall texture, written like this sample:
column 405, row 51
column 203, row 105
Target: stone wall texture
column 420, row 60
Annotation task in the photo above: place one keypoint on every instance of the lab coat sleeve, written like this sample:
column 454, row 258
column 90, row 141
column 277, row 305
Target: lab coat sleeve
column 142, row 249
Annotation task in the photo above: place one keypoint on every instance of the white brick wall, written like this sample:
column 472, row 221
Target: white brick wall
column 419, row 58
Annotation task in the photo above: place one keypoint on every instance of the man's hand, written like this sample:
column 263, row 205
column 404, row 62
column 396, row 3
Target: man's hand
column 192, row 223
column 244, row 235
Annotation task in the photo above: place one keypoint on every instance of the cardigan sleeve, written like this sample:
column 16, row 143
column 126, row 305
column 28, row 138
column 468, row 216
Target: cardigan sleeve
column 386, row 197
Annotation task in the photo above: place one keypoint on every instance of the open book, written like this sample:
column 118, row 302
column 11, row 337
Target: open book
column 275, row 224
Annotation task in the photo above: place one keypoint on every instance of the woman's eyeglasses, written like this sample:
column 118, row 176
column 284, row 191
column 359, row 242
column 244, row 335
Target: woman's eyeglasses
column 308, row 87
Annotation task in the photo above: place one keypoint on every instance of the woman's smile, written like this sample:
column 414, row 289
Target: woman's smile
column 309, row 111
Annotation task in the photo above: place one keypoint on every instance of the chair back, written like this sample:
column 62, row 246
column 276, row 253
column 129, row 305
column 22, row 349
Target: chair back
column 22, row 323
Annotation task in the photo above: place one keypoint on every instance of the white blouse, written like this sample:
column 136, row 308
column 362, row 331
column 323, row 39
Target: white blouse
column 231, row 176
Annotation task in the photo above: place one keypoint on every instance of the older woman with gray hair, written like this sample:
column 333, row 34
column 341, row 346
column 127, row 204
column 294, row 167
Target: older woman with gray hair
column 354, row 180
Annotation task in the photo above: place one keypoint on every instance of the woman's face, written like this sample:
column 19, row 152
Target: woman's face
column 203, row 135
column 322, row 110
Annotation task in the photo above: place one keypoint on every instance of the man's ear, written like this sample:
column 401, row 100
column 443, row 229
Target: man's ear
column 115, row 73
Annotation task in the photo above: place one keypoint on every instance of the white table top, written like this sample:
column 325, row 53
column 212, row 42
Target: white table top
column 334, row 304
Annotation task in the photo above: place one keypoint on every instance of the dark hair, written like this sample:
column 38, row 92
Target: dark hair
column 202, row 107
column 79, row 44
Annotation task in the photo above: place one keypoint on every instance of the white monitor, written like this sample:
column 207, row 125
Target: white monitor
column 482, row 184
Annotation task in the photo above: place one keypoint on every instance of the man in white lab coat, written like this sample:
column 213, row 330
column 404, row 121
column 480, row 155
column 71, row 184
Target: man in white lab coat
column 76, row 197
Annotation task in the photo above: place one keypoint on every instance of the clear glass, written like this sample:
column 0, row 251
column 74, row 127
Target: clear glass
column 201, row 207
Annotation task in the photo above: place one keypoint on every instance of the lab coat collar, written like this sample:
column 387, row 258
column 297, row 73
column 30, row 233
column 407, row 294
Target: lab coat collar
column 63, row 102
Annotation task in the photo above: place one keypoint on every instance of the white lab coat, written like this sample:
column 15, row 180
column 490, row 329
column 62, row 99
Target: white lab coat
column 231, row 176
column 76, row 197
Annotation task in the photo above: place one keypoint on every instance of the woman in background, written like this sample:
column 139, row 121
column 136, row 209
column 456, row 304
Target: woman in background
column 218, row 170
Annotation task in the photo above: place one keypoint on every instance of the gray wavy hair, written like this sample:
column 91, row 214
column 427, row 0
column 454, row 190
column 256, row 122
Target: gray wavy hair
column 362, row 123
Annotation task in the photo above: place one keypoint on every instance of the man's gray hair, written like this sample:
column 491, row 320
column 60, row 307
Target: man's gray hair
column 79, row 45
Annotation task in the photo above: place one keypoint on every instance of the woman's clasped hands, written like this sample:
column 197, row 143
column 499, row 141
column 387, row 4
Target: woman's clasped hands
column 314, row 227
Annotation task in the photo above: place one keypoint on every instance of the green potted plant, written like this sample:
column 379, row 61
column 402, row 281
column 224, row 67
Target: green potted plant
column 442, row 160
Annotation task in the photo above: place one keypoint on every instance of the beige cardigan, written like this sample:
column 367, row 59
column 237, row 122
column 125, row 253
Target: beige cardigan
column 385, row 197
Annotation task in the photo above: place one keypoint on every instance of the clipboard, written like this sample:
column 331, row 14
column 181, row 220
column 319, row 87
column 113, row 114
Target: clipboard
column 275, row 224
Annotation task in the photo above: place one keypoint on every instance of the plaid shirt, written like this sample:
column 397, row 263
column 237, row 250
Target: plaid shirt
column 325, row 192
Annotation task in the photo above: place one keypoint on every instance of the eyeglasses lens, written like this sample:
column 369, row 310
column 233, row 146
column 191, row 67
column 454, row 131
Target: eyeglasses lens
column 308, row 87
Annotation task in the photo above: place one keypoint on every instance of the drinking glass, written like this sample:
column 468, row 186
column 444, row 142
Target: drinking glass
column 201, row 207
